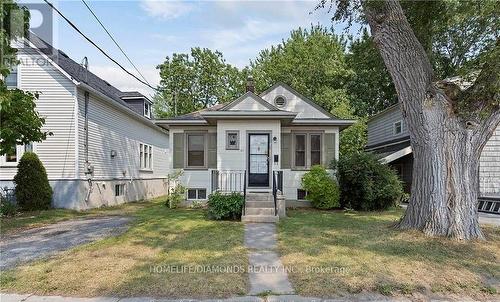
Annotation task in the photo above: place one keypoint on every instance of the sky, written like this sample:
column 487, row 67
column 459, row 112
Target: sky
column 150, row 30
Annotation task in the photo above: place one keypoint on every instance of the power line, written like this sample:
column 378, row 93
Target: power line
column 97, row 46
column 113, row 39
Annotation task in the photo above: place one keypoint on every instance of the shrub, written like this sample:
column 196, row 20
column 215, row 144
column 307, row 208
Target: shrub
column 175, row 197
column 322, row 189
column 7, row 208
column 225, row 206
column 366, row 184
column 33, row 191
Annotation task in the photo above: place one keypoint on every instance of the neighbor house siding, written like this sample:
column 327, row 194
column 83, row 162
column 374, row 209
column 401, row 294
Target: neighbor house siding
column 489, row 169
column 55, row 103
column 110, row 128
column 381, row 128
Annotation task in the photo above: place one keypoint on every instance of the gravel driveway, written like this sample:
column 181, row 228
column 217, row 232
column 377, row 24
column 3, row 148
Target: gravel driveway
column 40, row 242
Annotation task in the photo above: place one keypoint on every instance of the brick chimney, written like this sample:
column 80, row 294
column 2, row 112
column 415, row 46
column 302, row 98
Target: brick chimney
column 250, row 84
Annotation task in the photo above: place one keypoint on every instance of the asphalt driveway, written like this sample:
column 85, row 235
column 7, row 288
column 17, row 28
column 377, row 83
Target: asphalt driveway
column 37, row 243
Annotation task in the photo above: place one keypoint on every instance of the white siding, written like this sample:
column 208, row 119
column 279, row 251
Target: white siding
column 249, row 103
column 294, row 103
column 489, row 170
column 112, row 129
column 56, row 103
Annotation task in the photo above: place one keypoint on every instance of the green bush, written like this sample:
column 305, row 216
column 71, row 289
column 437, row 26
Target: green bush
column 7, row 208
column 33, row 191
column 322, row 190
column 366, row 184
column 225, row 206
column 175, row 197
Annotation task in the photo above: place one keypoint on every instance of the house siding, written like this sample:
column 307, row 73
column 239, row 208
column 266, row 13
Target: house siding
column 381, row 128
column 489, row 166
column 56, row 103
column 112, row 129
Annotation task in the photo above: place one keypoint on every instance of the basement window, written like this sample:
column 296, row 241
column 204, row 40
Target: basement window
column 119, row 189
column 301, row 194
column 196, row 194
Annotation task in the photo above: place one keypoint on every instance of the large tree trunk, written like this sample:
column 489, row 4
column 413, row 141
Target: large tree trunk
column 446, row 149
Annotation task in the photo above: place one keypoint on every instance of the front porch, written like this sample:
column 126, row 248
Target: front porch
column 261, row 204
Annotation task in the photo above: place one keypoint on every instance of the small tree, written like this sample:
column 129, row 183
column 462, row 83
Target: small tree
column 322, row 189
column 33, row 191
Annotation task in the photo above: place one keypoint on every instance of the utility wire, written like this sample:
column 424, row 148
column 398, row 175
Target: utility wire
column 99, row 48
column 113, row 39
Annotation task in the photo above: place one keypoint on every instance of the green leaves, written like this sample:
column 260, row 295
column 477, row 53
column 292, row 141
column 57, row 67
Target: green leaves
column 322, row 190
column 191, row 82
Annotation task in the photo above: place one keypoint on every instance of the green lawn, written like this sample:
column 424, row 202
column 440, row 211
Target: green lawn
column 362, row 252
column 131, row 264
column 26, row 220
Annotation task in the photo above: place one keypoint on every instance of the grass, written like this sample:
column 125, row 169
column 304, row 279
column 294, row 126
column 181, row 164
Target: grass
column 33, row 219
column 361, row 252
column 165, row 253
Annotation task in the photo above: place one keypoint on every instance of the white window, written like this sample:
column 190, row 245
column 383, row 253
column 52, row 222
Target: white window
column 12, row 158
column 398, row 127
column 196, row 145
column 194, row 194
column 146, row 156
column 11, row 79
column 147, row 109
column 119, row 189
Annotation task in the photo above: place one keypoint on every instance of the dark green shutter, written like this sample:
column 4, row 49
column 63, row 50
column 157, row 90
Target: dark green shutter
column 178, row 150
column 329, row 148
column 212, row 150
column 286, row 150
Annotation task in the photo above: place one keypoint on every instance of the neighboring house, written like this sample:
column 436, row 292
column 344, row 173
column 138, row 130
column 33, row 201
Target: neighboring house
column 253, row 144
column 105, row 149
column 388, row 136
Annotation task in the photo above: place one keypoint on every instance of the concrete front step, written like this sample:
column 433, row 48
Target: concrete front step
column 260, row 218
column 259, row 204
column 259, row 197
column 259, row 211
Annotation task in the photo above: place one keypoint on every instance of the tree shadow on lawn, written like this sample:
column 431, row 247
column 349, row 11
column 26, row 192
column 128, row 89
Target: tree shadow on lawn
column 376, row 251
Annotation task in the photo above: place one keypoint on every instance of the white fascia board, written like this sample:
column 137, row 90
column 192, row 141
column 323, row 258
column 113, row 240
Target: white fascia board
column 323, row 122
column 252, row 114
column 179, row 122
column 396, row 155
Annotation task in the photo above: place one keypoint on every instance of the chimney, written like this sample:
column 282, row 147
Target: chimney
column 250, row 84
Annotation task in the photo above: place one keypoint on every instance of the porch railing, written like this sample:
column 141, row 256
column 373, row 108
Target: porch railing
column 230, row 181
column 277, row 186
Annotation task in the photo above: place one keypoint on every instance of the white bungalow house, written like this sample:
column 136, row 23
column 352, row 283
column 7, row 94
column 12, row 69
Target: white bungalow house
column 256, row 144
column 105, row 149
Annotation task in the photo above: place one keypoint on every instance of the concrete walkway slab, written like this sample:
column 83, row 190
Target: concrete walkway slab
column 266, row 272
column 260, row 236
column 40, row 242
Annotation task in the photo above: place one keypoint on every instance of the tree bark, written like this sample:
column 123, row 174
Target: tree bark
column 446, row 148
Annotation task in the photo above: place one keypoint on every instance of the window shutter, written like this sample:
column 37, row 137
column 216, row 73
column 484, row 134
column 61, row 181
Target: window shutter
column 286, row 150
column 178, row 159
column 212, row 150
column 329, row 148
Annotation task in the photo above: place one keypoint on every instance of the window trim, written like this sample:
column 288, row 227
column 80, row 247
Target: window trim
column 305, row 194
column 19, row 153
column 18, row 78
column 205, row 150
column 146, row 103
column 308, row 149
column 197, row 194
column 150, row 158
column 394, row 132
column 121, row 190
column 237, row 140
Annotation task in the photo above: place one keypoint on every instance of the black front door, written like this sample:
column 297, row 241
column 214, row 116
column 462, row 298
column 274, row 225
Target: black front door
column 258, row 160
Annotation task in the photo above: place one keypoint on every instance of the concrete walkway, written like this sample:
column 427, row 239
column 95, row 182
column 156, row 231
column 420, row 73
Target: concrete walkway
column 40, row 242
column 266, row 272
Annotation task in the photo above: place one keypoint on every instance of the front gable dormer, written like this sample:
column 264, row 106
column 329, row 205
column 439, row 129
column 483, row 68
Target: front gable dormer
column 286, row 98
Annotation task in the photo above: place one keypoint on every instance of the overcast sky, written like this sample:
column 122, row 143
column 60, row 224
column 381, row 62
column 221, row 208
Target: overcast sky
column 150, row 30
